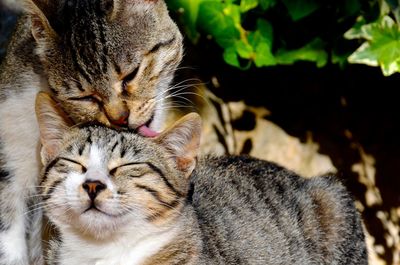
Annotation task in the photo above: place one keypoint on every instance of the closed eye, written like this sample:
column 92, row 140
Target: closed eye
column 114, row 170
column 128, row 78
column 89, row 98
column 161, row 44
column 84, row 169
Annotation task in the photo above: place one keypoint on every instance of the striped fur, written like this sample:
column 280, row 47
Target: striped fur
column 101, row 60
column 231, row 210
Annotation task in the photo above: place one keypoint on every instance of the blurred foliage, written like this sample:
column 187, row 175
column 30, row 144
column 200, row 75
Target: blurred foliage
column 282, row 32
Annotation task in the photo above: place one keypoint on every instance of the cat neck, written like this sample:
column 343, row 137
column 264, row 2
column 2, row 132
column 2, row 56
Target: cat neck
column 128, row 247
column 135, row 245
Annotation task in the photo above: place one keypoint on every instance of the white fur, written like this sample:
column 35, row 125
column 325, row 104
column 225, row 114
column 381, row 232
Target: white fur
column 130, row 247
column 96, row 171
column 133, row 240
column 14, row 245
column 19, row 134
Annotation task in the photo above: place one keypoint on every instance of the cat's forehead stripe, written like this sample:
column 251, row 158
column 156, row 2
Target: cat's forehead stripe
column 96, row 156
column 90, row 60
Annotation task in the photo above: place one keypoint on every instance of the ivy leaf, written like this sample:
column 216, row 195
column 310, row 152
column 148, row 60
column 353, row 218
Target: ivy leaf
column 299, row 9
column 220, row 20
column 264, row 56
column 263, row 33
column 261, row 41
column 233, row 11
column 265, row 4
column 231, row 57
column 382, row 46
column 189, row 11
column 246, row 5
column 244, row 49
column 356, row 31
column 313, row 52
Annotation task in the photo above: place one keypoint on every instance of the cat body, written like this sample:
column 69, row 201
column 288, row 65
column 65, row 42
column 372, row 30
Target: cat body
column 255, row 212
column 109, row 61
column 119, row 198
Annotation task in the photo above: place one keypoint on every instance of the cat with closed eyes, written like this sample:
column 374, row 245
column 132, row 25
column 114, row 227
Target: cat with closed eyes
column 120, row 198
column 109, row 61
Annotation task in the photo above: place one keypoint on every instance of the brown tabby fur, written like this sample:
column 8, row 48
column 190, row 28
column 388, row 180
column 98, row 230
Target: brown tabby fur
column 154, row 209
column 109, row 61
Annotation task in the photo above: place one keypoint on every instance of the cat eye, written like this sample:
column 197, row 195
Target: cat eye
column 89, row 98
column 83, row 168
column 132, row 165
column 129, row 78
column 162, row 44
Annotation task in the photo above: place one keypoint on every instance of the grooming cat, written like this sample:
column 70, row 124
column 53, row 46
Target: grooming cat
column 119, row 198
column 109, row 61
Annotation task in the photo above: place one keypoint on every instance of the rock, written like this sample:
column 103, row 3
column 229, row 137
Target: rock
column 225, row 132
column 234, row 128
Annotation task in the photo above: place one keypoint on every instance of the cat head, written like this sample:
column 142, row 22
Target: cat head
column 98, row 181
column 109, row 61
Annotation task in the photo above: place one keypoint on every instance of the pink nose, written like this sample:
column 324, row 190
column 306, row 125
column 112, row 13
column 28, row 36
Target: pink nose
column 93, row 188
column 121, row 120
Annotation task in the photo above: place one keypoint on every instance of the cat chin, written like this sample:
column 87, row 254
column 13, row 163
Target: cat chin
column 97, row 224
column 91, row 224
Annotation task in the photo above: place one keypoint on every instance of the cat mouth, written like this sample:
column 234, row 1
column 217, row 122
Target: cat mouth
column 144, row 129
column 93, row 208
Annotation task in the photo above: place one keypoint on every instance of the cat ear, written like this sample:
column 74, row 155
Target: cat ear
column 53, row 123
column 41, row 28
column 182, row 141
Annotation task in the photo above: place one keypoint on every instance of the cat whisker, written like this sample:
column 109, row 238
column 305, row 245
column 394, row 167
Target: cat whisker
column 185, row 99
column 176, row 89
column 186, row 81
column 194, row 94
column 183, row 84
column 185, row 68
column 175, row 97
column 175, row 106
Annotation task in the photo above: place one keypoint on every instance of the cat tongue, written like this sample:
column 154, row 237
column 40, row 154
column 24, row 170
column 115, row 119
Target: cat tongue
column 146, row 131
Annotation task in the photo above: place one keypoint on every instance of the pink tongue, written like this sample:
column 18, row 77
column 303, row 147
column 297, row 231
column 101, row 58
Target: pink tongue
column 147, row 132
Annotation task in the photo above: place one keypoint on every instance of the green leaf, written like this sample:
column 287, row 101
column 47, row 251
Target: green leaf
column 382, row 46
column 244, row 49
column 231, row 57
column 261, row 41
column 190, row 11
column 266, row 4
column 218, row 19
column 299, row 9
column 264, row 56
column 356, row 32
column 313, row 52
column 233, row 11
column 246, row 5
column 264, row 32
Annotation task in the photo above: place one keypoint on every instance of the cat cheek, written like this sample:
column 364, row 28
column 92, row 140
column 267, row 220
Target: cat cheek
column 102, row 118
column 73, row 185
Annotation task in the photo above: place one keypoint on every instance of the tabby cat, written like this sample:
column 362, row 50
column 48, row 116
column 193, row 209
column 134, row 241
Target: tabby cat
column 120, row 198
column 109, row 61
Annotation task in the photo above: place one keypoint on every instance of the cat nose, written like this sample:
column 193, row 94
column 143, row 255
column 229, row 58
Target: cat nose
column 121, row 119
column 93, row 188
